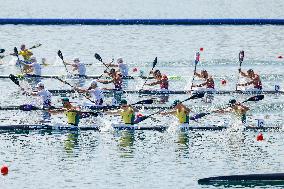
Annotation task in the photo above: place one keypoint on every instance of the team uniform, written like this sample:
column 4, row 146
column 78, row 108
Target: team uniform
column 97, row 95
column 182, row 116
column 128, row 116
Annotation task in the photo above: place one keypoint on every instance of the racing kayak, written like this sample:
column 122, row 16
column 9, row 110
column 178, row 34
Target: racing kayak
column 255, row 179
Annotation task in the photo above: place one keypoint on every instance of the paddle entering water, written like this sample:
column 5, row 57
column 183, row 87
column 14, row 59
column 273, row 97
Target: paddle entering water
column 251, row 99
column 153, row 66
column 195, row 96
column 241, row 59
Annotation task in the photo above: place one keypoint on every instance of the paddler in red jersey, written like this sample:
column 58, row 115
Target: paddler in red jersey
column 209, row 82
column 115, row 79
column 255, row 79
column 162, row 80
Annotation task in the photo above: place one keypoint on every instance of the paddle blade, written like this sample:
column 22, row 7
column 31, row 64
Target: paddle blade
column 14, row 79
column 197, row 58
column 35, row 46
column 198, row 116
column 155, row 62
column 196, row 96
column 148, row 101
column 140, row 119
column 241, row 56
column 98, row 57
column 16, row 51
column 59, row 53
column 255, row 98
column 2, row 50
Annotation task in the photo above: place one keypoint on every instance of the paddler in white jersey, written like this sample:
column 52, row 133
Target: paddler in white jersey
column 209, row 82
column 95, row 92
column 43, row 93
column 123, row 68
column 255, row 79
column 79, row 67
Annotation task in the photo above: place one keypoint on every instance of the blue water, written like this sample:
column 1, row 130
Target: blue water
column 144, row 159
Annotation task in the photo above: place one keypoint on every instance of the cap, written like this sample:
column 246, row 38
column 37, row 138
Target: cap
column 119, row 61
column 250, row 70
column 40, row 84
column 156, row 71
column 123, row 102
column 76, row 60
column 94, row 82
column 176, row 102
column 33, row 59
column 65, row 99
column 112, row 70
column 232, row 101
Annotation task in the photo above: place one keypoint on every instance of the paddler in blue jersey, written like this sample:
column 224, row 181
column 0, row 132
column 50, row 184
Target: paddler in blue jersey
column 180, row 111
column 237, row 108
column 127, row 113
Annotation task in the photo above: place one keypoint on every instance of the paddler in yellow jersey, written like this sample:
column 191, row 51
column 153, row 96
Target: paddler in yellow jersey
column 72, row 113
column 26, row 54
column 180, row 111
column 127, row 112
column 237, row 108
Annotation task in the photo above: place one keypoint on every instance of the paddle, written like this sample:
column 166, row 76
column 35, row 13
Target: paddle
column 99, row 58
column 3, row 50
column 241, row 59
column 14, row 79
column 17, row 55
column 59, row 53
column 252, row 99
column 153, row 66
column 195, row 96
column 35, row 46
column 197, row 57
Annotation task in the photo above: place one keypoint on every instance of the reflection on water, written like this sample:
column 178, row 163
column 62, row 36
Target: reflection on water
column 71, row 141
column 126, row 140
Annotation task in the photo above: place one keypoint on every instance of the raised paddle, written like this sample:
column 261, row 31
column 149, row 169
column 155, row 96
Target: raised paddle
column 18, row 59
column 197, row 58
column 153, row 66
column 99, row 58
column 59, row 53
column 195, row 96
column 252, row 99
column 241, row 59
column 2, row 50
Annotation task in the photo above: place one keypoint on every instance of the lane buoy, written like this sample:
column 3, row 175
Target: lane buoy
column 135, row 70
column 201, row 49
column 223, row 82
column 280, row 56
column 4, row 170
column 260, row 137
